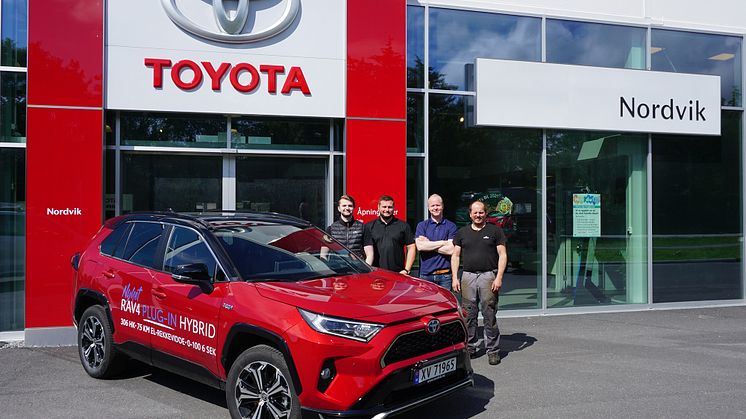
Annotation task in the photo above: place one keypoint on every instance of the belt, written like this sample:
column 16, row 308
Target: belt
column 441, row 271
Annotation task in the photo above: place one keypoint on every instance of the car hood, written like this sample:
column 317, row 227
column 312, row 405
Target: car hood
column 380, row 296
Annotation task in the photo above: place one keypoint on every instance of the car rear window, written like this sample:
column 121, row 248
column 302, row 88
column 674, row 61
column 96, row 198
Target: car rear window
column 142, row 244
column 115, row 239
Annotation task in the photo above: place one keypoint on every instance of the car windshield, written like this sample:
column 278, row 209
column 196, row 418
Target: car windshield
column 274, row 252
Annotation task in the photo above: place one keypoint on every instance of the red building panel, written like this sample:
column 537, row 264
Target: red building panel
column 65, row 53
column 376, row 59
column 63, row 206
column 376, row 164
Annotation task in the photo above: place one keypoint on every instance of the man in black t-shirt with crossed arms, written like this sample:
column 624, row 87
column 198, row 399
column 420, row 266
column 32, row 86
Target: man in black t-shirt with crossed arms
column 485, row 258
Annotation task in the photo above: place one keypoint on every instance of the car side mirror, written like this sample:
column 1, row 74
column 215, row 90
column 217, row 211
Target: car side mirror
column 195, row 274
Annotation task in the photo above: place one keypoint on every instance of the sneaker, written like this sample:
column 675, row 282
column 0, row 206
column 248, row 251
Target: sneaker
column 493, row 358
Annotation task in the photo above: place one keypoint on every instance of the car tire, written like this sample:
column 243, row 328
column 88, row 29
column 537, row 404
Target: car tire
column 259, row 379
column 98, row 355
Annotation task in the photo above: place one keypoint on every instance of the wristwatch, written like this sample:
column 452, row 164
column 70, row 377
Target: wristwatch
column 407, row 271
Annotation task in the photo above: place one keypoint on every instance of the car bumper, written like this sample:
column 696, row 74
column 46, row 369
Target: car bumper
column 396, row 394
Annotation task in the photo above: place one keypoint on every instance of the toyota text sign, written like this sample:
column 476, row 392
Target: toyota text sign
column 284, row 57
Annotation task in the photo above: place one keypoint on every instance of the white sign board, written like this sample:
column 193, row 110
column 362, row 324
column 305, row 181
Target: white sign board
column 586, row 215
column 543, row 95
column 283, row 57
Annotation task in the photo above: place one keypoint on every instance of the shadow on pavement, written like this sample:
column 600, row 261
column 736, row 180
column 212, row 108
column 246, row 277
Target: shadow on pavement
column 515, row 342
column 463, row 404
column 136, row 369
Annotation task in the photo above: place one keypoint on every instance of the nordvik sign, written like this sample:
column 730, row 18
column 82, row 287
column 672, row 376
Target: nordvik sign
column 230, row 57
column 542, row 95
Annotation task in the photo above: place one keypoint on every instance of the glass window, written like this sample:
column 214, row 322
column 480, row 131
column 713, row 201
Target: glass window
column 173, row 130
column 171, row 182
column 142, row 244
column 115, row 239
column 186, row 247
column 595, row 44
column 415, row 122
column 280, row 133
column 339, row 179
column 596, row 218
column 699, row 53
column 501, row 167
column 415, row 190
column 272, row 251
column 415, row 46
column 12, row 238
column 288, row 185
column 14, row 38
column 12, row 107
column 697, row 206
column 458, row 37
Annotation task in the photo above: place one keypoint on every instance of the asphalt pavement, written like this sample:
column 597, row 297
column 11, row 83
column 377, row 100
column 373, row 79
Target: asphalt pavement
column 651, row 364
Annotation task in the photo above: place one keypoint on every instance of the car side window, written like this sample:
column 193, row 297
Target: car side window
column 143, row 243
column 116, row 239
column 186, row 247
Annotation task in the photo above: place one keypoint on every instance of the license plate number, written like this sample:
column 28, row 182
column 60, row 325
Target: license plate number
column 434, row 371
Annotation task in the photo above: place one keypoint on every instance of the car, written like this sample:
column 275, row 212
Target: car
column 269, row 308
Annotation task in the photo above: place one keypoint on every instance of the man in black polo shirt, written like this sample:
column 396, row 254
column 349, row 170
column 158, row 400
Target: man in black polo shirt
column 485, row 257
column 385, row 238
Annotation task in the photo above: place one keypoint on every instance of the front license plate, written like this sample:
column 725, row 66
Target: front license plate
column 434, row 371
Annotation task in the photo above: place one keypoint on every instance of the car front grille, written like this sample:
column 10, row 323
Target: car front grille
column 419, row 342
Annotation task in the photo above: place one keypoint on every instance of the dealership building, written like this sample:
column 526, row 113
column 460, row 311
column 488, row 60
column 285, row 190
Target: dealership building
column 605, row 137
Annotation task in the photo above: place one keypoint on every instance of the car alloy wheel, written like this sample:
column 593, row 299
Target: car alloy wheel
column 93, row 343
column 262, row 391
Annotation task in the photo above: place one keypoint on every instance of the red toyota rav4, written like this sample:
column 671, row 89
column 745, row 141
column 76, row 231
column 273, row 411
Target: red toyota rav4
column 269, row 308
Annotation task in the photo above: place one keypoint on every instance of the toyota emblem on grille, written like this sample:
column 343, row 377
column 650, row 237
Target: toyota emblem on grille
column 433, row 326
column 230, row 29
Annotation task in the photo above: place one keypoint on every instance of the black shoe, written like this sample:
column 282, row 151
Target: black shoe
column 493, row 358
column 473, row 354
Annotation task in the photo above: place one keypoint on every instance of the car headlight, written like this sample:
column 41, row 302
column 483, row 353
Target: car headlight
column 349, row 329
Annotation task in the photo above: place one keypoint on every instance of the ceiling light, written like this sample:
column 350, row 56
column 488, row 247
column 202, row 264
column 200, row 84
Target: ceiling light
column 653, row 50
column 725, row 56
column 461, row 119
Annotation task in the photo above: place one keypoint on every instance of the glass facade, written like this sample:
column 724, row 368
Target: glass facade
column 697, row 207
column 189, row 162
column 12, row 107
column 605, row 263
column 288, row 185
column 667, row 210
column 12, row 237
column 13, row 47
column 458, row 37
column 595, row 44
column 699, row 53
column 13, row 30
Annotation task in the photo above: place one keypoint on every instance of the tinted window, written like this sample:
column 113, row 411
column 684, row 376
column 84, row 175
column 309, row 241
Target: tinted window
column 113, row 240
column 186, row 247
column 595, row 44
column 143, row 243
column 272, row 252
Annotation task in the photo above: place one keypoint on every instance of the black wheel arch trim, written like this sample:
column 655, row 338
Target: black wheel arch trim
column 89, row 294
column 277, row 340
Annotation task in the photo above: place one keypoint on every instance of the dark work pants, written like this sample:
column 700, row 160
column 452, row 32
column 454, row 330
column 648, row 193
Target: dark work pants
column 476, row 288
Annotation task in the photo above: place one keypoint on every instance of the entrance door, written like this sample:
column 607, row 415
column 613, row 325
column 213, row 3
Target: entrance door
column 597, row 223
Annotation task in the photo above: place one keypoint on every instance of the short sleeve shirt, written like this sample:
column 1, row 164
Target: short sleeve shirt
column 388, row 241
column 479, row 248
column 444, row 230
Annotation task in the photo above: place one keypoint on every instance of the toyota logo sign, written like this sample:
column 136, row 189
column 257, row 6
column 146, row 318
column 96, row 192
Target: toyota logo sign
column 433, row 326
column 230, row 29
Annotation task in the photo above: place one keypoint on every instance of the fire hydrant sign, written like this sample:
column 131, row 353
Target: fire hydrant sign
column 586, row 215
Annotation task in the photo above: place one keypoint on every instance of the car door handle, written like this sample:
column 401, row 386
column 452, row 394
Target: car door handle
column 110, row 274
column 158, row 293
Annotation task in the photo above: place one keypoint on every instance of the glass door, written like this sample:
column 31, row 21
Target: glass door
column 597, row 223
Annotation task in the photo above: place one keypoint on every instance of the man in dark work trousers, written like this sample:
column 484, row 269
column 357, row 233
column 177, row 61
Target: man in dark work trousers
column 385, row 238
column 481, row 245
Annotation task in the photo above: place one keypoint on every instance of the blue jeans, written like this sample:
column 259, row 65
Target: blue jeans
column 444, row 280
